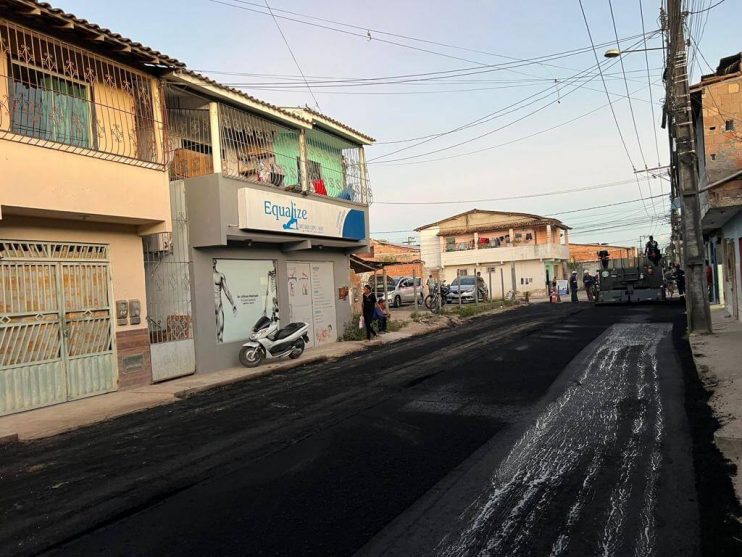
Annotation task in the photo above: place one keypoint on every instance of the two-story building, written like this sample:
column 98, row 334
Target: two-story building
column 82, row 181
column 150, row 216
column 516, row 252
column 268, row 204
column 717, row 110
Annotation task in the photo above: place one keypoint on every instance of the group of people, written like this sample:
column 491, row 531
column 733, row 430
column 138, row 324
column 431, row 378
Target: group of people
column 589, row 282
column 374, row 309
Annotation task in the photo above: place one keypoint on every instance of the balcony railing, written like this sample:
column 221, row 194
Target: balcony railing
column 521, row 252
column 262, row 151
column 189, row 143
column 56, row 95
column 258, row 150
column 334, row 167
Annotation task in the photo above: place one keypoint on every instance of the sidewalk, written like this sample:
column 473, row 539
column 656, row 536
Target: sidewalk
column 53, row 420
column 717, row 359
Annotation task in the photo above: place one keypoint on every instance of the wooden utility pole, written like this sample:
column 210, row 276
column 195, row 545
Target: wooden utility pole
column 681, row 129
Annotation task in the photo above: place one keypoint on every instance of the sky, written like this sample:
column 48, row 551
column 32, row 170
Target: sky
column 518, row 154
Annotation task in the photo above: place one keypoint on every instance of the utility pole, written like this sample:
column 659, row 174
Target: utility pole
column 681, row 130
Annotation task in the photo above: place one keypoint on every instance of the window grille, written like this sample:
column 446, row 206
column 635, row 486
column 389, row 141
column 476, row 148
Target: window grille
column 258, row 150
column 56, row 95
column 334, row 167
column 189, row 143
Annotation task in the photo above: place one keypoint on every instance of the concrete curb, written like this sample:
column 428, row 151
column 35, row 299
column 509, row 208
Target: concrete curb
column 7, row 439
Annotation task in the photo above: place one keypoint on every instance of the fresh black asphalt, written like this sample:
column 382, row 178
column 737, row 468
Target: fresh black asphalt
column 383, row 450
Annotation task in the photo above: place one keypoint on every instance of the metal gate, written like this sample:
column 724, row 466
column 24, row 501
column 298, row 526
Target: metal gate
column 167, row 273
column 56, row 338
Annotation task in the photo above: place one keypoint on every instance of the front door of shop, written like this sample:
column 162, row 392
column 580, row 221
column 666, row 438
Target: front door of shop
column 56, row 337
column 312, row 300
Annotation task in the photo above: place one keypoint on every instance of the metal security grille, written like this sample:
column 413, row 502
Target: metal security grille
column 63, row 97
column 189, row 142
column 56, row 341
column 167, row 274
column 334, row 168
column 258, row 150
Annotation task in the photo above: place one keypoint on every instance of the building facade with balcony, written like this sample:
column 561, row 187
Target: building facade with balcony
column 82, row 181
column 516, row 252
column 717, row 110
column 268, row 205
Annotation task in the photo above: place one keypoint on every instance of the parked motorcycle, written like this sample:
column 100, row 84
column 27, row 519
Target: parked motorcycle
column 269, row 341
column 434, row 300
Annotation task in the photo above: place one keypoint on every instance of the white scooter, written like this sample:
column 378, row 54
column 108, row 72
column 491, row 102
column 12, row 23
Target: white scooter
column 268, row 341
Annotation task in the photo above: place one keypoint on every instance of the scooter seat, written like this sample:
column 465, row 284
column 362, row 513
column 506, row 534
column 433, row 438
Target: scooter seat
column 288, row 330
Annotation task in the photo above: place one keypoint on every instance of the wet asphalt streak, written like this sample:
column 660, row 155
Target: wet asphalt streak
column 502, row 436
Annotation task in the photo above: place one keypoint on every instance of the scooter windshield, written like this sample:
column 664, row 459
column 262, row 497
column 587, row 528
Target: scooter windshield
column 262, row 323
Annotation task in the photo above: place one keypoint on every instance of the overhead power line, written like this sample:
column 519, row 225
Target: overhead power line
column 649, row 83
column 497, row 146
column 527, row 196
column 366, row 33
column 608, row 96
column 285, row 40
column 559, row 213
column 711, row 7
column 541, row 95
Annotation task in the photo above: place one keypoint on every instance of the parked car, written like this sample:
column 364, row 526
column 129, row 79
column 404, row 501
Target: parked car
column 464, row 286
column 391, row 283
column 404, row 292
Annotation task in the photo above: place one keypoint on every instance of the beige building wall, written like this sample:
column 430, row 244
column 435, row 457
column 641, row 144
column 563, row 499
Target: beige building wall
column 126, row 253
column 48, row 181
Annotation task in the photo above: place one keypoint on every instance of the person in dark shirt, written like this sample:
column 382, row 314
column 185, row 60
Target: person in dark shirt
column 589, row 282
column 680, row 280
column 369, row 307
column 652, row 251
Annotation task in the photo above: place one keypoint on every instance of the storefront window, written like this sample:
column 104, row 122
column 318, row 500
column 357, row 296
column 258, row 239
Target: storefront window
column 244, row 291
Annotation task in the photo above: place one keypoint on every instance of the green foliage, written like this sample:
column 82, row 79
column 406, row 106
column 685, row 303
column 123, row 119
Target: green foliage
column 352, row 332
column 395, row 325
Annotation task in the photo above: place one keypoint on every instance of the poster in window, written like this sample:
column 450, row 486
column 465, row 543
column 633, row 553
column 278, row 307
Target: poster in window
column 323, row 303
column 244, row 291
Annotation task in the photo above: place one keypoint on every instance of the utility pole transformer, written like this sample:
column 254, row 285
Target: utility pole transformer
column 681, row 128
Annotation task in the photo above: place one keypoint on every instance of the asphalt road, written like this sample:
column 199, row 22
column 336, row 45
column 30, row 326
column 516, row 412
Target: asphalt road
column 546, row 430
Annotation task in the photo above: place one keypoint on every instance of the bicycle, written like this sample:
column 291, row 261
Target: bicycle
column 434, row 301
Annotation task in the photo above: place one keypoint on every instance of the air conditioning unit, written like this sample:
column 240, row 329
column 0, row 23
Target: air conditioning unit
column 161, row 243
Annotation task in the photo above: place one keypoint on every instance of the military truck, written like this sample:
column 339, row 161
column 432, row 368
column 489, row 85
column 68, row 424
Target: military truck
column 630, row 280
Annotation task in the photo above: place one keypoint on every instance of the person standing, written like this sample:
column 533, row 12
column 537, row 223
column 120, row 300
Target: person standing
column 652, row 251
column 369, row 307
column 588, row 282
column 431, row 285
column 574, row 286
column 680, row 280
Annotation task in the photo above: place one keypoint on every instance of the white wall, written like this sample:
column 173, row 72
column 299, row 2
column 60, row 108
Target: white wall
column 533, row 274
column 430, row 248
